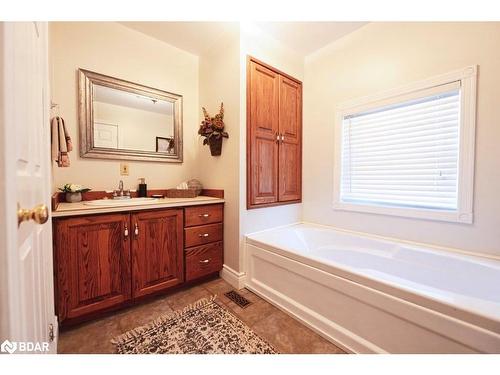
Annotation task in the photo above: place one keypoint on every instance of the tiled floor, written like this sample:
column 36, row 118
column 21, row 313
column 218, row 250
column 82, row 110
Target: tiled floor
column 283, row 332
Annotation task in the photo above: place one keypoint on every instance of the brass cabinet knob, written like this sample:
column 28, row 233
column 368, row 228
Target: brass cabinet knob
column 39, row 214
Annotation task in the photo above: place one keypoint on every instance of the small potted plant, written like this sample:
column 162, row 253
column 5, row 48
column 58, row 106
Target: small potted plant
column 73, row 192
column 212, row 128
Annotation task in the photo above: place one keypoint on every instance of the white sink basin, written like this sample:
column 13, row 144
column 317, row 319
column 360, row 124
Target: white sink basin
column 120, row 202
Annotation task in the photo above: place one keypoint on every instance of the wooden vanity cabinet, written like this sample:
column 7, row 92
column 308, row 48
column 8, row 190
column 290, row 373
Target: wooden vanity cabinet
column 157, row 251
column 105, row 261
column 92, row 264
column 274, row 136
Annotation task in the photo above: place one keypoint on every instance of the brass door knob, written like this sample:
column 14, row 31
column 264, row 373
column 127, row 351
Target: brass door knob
column 39, row 214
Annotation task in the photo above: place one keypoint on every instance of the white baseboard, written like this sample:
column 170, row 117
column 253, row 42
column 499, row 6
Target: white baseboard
column 236, row 279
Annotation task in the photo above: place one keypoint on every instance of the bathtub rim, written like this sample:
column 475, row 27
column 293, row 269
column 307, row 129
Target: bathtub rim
column 439, row 248
column 470, row 316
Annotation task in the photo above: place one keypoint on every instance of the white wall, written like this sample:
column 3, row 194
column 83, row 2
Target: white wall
column 381, row 56
column 223, row 78
column 219, row 82
column 254, row 42
column 113, row 49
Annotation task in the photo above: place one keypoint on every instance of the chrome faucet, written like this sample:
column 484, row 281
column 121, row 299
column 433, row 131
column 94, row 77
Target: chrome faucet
column 120, row 193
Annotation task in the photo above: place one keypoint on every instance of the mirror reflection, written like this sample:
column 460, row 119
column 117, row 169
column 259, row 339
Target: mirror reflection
column 125, row 120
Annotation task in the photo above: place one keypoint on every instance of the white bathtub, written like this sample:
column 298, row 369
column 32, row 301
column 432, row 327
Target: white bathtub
column 375, row 296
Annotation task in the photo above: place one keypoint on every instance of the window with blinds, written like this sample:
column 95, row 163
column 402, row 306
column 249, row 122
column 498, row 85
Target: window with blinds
column 409, row 151
column 404, row 154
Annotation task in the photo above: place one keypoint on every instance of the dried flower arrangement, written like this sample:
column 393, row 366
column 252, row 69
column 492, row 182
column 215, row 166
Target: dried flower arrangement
column 212, row 128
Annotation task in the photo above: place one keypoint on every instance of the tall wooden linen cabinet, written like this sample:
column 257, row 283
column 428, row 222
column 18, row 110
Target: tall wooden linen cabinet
column 274, row 136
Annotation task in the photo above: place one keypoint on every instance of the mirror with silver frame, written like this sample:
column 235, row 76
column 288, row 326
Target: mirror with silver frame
column 128, row 121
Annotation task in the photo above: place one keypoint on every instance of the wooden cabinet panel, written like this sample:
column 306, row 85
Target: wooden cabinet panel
column 206, row 214
column 92, row 258
column 290, row 123
column 290, row 150
column 157, row 250
column 274, row 136
column 264, row 99
column 203, row 260
column 262, row 131
column 264, row 183
column 203, row 234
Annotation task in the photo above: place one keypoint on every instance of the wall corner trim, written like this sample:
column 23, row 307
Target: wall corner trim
column 236, row 279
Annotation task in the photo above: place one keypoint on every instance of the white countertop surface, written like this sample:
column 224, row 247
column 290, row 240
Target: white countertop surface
column 80, row 208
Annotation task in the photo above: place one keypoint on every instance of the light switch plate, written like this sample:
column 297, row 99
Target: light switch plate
column 124, row 170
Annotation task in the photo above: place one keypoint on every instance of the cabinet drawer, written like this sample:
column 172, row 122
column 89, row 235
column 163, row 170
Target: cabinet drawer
column 203, row 234
column 203, row 260
column 207, row 214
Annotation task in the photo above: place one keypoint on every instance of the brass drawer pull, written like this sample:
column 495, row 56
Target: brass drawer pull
column 203, row 215
column 136, row 230
column 205, row 261
column 203, row 235
column 125, row 233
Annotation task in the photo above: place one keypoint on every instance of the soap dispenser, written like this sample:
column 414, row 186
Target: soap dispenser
column 143, row 188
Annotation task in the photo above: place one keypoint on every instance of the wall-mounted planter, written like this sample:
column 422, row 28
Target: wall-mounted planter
column 215, row 146
column 212, row 128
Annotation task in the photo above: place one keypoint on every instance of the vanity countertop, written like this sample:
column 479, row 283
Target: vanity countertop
column 81, row 208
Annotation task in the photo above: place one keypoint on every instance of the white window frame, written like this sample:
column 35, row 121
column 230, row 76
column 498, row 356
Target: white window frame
column 467, row 128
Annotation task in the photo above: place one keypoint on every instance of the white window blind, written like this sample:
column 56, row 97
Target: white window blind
column 404, row 153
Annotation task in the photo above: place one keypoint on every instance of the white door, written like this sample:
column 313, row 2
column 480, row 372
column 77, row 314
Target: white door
column 105, row 135
column 26, row 281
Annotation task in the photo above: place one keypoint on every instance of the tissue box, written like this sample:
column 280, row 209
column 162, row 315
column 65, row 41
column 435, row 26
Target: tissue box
column 182, row 193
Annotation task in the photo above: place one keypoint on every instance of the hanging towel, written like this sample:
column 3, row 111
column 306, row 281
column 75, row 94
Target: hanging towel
column 61, row 142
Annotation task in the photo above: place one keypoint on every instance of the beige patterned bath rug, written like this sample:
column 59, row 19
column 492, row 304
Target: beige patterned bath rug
column 201, row 328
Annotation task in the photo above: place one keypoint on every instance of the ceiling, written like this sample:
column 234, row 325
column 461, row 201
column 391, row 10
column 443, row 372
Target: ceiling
column 197, row 37
column 194, row 37
column 307, row 37
column 127, row 99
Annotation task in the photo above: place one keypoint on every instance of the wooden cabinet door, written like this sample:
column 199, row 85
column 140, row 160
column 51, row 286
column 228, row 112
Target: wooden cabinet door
column 157, row 250
column 290, row 148
column 92, row 258
column 262, row 131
